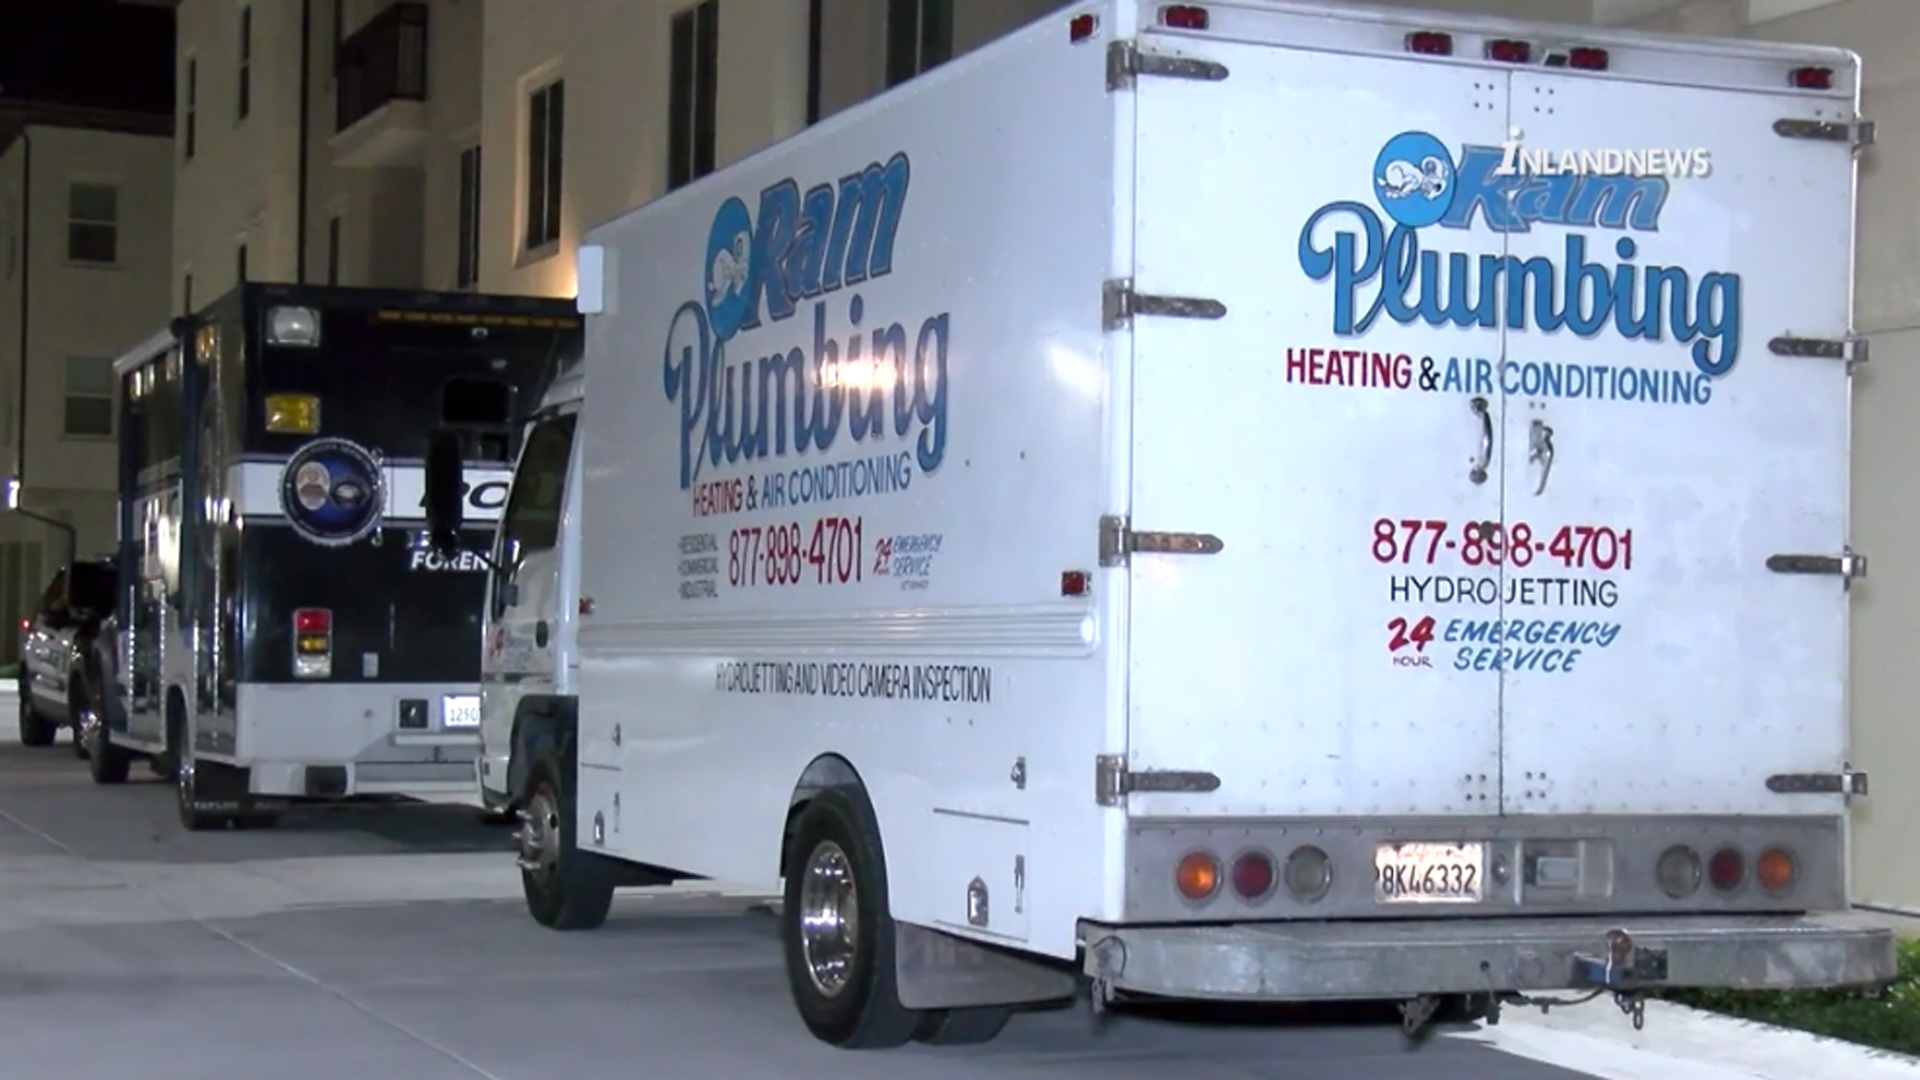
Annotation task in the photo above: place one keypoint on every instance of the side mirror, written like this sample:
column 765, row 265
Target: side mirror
column 446, row 497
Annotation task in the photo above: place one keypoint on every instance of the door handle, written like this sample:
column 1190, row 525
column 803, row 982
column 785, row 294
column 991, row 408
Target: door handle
column 540, row 633
column 1478, row 474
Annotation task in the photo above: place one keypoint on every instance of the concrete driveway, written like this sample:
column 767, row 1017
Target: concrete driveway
column 390, row 943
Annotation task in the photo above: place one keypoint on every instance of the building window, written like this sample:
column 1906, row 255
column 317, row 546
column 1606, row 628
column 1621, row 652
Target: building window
column 691, row 93
column 240, row 264
column 189, row 121
column 546, row 122
column 246, row 61
column 89, row 393
column 919, row 37
column 93, row 223
column 333, row 250
column 467, row 271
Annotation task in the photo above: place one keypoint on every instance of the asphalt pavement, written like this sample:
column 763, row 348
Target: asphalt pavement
column 390, row 942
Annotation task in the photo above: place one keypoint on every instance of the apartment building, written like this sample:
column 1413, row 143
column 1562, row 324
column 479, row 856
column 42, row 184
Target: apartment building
column 86, row 205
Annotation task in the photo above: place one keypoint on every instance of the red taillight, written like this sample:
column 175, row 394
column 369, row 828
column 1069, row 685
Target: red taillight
column 26, row 624
column 1082, row 28
column 1253, row 875
column 1727, row 870
column 1430, row 43
column 1073, row 583
column 1587, row 58
column 1184, row 17
column 312, row 621
column 1811, row 78
column 1509, row 51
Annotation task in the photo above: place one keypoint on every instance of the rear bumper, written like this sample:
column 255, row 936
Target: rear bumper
column 1373, row 959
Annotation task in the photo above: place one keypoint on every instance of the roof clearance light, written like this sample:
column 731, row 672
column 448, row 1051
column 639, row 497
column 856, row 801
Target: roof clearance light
column 1184, row 17
column 1430, row 43
column 1509, row 51
column 1587, row 58
column 293, row 326
column 1082, row 28
column 1811, row 78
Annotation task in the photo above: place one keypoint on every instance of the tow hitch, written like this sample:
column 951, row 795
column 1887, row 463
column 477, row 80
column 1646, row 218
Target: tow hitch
column 1626, row 970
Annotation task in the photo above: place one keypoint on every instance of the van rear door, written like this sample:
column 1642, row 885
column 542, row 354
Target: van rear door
column 1663, row 456
column 1333, row 451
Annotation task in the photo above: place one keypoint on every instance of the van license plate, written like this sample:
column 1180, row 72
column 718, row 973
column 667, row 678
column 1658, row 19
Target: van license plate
column 460, row 710
column 1405, row 873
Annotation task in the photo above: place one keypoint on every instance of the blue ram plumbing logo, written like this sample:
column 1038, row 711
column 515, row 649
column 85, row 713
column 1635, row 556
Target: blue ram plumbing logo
column 1377, row 266
column 755, row 384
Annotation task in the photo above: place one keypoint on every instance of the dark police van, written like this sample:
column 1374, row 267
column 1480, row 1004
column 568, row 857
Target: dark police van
column 284, row 630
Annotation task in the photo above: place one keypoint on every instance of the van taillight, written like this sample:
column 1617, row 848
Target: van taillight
column 312, row 643
column 1430, row 43
column 1587, row 58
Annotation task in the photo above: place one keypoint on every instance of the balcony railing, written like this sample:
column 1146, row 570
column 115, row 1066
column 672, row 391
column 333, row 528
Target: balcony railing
column 383, row 62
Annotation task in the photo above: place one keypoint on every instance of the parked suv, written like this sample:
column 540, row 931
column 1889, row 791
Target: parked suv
column 59, row 639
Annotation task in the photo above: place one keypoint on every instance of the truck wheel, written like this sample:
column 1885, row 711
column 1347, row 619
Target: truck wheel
column 838, row 931
column 107, row 763
column 192, row 818
column 35, row 730
column 566, row 888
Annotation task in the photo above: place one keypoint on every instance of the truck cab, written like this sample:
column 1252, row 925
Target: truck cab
column 527, row 633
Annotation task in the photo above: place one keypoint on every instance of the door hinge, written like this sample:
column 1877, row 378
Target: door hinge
column 1849, row 564
column 1119, row 304
column 1851, row 349
column 1845, row 782
column 1112, row 782
column 1855, row 133
column 1126, row 63
column 1118, row 541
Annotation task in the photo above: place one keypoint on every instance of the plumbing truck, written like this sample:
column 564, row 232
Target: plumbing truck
column 1253, row 500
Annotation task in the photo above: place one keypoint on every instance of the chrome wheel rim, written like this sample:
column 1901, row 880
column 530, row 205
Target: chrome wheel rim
column 183, row 775
column 90, row 730
column 540, row 834
column 829, row 918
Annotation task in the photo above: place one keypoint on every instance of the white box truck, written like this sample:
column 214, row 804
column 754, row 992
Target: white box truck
column 1233, row 501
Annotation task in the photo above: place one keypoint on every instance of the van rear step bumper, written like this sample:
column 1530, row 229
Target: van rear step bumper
column 1296, row 961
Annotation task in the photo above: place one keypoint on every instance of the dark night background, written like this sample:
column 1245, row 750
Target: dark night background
column 100, row 54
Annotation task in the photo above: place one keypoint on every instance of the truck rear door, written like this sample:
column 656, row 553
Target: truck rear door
column 1401, row 620
column 1659, row 453
column 1339, row 464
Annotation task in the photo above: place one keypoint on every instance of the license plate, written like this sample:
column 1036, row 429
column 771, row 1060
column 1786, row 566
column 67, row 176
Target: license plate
column 460, row 710
column 1422, row 873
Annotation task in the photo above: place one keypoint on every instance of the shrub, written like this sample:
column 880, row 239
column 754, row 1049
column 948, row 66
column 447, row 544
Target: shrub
column 1887, row 1018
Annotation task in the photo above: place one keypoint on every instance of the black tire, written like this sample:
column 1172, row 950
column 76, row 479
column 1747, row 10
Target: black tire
column 106, row 763
column 963, row 1027
column 35, row 730
column 861, row 1010
column 566, row 888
